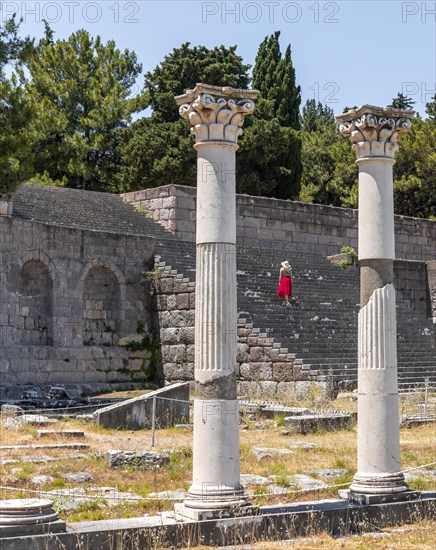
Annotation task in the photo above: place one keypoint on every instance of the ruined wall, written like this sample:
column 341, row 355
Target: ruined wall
column 305, row 227
column 69, row 299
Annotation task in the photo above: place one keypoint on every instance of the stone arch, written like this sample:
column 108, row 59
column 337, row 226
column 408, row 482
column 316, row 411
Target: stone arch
column 103, row 298
column 36, row 303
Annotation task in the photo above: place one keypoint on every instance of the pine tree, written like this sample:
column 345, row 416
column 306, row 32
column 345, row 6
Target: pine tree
column 274, row 77
column 184, row 67
column 269, row 161
column 80, row 90
column 15, row 112
column 402, row 102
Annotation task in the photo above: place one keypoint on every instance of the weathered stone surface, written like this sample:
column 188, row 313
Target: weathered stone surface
column 21, row 517
column 11, row 410
column 41, row 479
column 62, row 433
column 148, row 460
column 267, row 452
column 78, row 477
column 310, row 423
column 253, row 479
column 331, row 473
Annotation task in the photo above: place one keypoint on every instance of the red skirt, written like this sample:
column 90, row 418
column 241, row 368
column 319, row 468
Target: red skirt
column 285, row 287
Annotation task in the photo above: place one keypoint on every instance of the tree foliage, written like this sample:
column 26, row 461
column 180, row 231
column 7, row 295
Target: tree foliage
column 329, row 171
column 415, row 169
column 402, row 102
column 274, row 77
column 269, row 162
column 15, row 113
column 155, row 154
column 80, row 89
column 158, row 150
column 184, row 68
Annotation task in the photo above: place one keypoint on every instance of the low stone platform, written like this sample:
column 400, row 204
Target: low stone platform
column 335, row 517
column 307, row 423
column 60, row 433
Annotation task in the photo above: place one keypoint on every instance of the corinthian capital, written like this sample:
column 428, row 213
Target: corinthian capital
column 216, row 113
column 375, row 131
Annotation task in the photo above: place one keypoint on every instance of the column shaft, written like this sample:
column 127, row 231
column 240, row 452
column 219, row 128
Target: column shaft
column 216, row 118
column 374, row 133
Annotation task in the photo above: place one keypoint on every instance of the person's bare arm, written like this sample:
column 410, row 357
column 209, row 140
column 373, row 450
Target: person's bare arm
column 280, row 275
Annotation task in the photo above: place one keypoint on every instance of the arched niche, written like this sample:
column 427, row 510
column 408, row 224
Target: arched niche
column 36, row 303
column 101, row 307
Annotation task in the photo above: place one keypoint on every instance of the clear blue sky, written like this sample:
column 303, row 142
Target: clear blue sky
column 344, row 52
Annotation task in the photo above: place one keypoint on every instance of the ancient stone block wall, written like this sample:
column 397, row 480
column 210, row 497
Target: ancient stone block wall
column 69, row 298
column 411, row 284
column 431, row 286
column 305, row 227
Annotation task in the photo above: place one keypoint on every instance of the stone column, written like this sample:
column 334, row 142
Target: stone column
column 216, row 115
column 374, row 132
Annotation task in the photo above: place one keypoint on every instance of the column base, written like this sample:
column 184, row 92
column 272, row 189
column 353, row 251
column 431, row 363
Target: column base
column 202, row 514
column 20, row 517
column 382, row 484
column 379, row 498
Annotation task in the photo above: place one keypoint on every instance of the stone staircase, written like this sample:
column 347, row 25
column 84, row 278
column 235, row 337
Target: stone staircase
column 320, row 330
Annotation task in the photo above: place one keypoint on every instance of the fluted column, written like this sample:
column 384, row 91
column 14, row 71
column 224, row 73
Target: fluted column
column 374, row 132
column 216, row 115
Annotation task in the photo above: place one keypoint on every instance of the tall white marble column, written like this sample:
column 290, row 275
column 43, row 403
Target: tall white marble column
column 374, row 132
column 216, row 115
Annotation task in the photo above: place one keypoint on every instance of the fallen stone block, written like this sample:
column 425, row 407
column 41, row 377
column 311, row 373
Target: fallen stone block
column 41, row 479
column 412, row 420
column 311, row 423
column 267, row 452
column 78, row 477
column 11, row 410
column 62, row 433
column 148, row 460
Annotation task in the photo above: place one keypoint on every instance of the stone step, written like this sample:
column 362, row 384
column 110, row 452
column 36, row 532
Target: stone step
column 61, row 433
column 75, row 446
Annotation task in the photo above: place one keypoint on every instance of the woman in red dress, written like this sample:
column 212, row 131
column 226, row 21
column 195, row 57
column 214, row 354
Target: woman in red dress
column 285, row 282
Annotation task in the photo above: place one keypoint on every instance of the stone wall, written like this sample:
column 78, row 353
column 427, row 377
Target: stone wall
column 306, row 227
column 411, row 285
column 69, row 299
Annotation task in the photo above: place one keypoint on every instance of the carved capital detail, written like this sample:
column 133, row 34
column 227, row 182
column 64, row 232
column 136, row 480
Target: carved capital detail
column 375, row 131
column 216, row 113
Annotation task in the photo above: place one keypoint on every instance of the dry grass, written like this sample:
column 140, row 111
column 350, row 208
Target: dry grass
column 335, row 450
column 419, row 536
